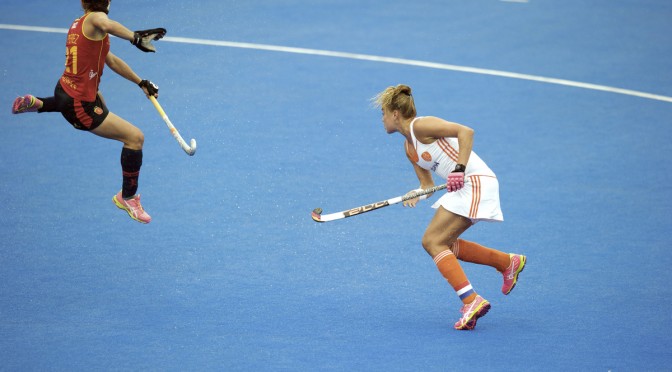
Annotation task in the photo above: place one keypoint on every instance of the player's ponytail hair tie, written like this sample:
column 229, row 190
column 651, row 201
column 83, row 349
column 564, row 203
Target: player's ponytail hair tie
column 404, row 89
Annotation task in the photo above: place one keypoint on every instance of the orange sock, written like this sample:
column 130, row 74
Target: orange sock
column 451, row 270
column 473, row 252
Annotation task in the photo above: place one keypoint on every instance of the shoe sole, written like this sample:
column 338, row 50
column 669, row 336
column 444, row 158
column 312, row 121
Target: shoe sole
column 523, row 261
column 121, row 206
column 480, row 312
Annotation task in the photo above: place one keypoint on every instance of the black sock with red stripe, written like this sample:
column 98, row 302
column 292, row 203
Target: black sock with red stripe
column 131, row 161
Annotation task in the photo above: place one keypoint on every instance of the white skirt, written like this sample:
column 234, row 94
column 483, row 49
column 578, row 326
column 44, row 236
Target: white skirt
column 478, row 200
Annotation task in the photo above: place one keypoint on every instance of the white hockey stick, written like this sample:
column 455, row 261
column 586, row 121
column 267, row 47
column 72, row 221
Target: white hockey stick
column 319, row 217
column 190, row 150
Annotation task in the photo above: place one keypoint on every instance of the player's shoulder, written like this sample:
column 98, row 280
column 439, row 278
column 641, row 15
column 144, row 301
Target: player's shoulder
column 426, row 123
column 95, row 18
column 94, row 25
column 96, row 15
column 428, row 119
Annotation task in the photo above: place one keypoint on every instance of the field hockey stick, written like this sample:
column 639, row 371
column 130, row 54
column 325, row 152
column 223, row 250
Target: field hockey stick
column 319, row 217
column 190, row 150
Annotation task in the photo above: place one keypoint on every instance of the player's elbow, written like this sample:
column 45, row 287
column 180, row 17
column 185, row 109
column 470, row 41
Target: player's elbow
column 112, row 61
column 111, row 64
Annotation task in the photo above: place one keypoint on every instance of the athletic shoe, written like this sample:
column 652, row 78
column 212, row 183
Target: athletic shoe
column 27, row 103
column 132, row 207
column 511, row 274
column 471, row 312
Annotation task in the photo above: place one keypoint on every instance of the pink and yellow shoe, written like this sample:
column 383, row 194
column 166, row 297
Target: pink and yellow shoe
column 27, row 103
column 471, row 312
column 511, row 274
column 133, row 207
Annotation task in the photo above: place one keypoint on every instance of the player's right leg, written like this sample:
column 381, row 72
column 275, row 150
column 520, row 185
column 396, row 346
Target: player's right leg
column 442, row 232
column 30, row 103
column 26, row 103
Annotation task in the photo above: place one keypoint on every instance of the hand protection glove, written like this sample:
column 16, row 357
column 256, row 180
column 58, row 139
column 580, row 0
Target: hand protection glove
column 143, row 39
column 149, row 88
column 455, row 179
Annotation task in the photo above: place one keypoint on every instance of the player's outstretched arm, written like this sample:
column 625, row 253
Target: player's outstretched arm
column 141, row 39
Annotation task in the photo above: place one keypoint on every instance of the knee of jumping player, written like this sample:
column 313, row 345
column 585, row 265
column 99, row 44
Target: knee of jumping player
column 136, row 140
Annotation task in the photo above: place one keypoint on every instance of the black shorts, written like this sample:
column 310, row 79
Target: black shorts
column 81, row 114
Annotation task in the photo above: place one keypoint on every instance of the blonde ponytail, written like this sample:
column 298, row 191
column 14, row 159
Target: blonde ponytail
column 398, row 97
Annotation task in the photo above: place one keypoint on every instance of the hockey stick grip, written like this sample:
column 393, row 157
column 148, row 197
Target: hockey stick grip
column 158, row 107
column 430, row 190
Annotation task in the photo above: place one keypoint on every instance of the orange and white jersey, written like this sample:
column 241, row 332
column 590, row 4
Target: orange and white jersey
column 479, row 198
column 440, row 157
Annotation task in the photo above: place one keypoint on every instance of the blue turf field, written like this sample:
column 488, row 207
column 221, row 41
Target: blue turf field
column 232, row 273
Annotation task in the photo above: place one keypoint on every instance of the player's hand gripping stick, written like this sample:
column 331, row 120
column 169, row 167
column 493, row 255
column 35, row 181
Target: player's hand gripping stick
column 455, row 179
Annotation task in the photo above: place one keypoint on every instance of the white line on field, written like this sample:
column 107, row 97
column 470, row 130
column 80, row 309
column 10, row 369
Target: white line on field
column 381, row 59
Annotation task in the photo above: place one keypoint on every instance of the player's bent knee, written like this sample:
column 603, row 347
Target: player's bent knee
column 140, row 138
column 435, row 244
column 136, row 140
column 429, row 243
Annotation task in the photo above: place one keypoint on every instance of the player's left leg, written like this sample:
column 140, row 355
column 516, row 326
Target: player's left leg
column 442, row 232
column 509, row 264
column 114, row 127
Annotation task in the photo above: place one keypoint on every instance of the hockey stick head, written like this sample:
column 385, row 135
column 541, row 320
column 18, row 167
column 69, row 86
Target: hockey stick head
column 192, row 148
column 317, row 215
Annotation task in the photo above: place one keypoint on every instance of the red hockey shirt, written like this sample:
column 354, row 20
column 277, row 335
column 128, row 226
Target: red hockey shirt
column 84, row 62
